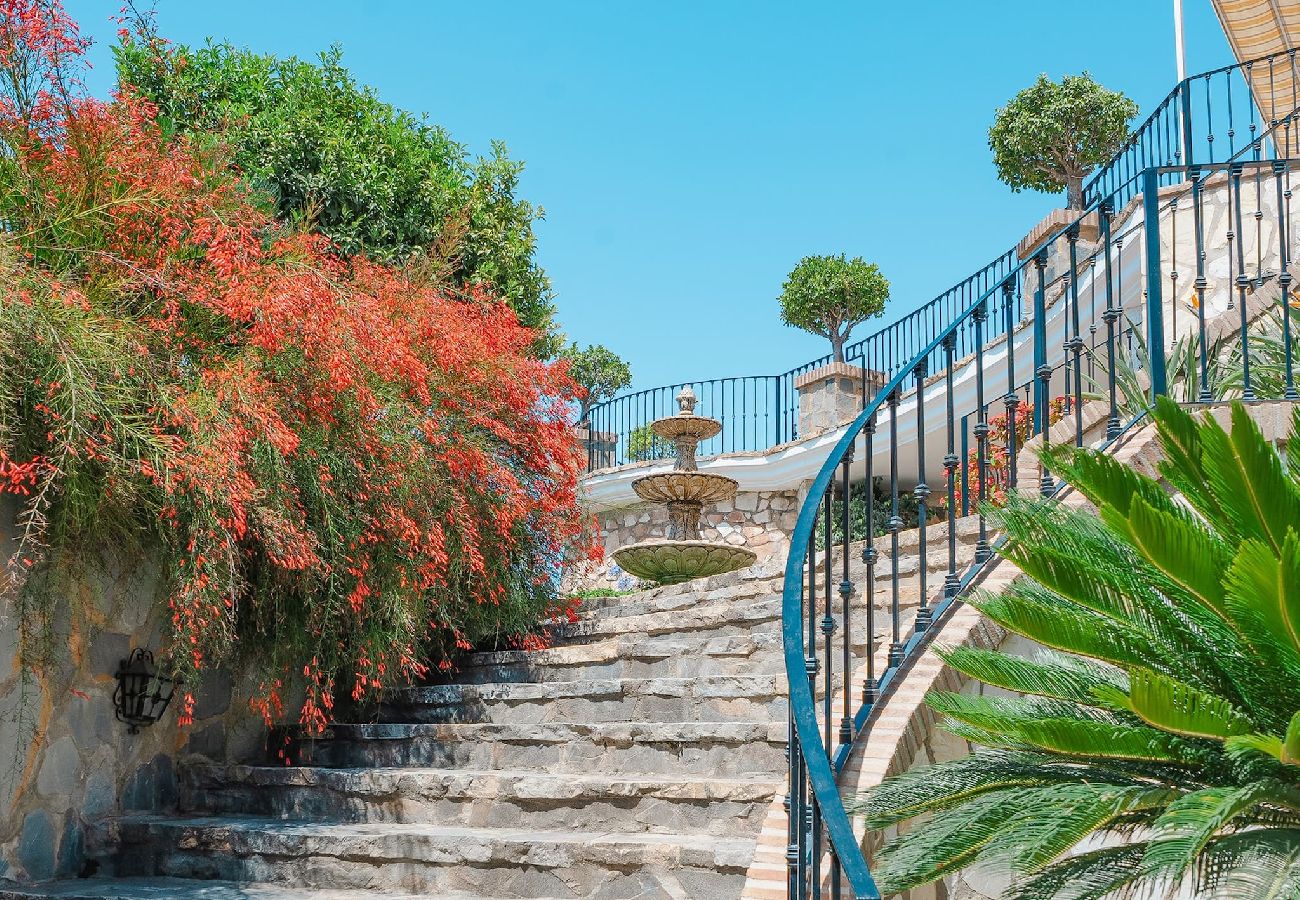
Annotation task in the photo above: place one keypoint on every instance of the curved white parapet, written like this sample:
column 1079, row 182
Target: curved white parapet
column 789, row 465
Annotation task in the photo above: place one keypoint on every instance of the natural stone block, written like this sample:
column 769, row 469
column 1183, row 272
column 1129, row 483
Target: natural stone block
column 100, row 796
column 90, row 720
column 72, row 848
column 151, row 787
column 107, row 650
column 36, row 845
column 59, row 770
column 213, row 695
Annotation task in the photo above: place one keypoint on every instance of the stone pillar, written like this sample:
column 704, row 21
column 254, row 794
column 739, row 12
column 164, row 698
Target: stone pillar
column 832, row 396
column 1058, row 257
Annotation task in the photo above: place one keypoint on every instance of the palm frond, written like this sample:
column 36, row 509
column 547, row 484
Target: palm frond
column 1193, row 820
column 1174, row 706
column 1058, row 676
column 1251, row 865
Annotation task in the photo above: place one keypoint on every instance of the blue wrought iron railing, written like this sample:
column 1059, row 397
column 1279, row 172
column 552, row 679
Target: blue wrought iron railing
column 761, row 411
column 1207, row 117
column 1104, row 328
column 1210, row 117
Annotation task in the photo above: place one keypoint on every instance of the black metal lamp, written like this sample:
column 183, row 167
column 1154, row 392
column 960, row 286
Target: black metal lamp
column 142, row 695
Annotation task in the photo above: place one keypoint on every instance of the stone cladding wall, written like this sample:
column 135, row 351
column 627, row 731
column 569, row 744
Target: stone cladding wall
column 65, row 761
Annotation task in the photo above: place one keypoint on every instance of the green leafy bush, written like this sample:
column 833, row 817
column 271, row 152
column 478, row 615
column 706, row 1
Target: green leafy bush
column 335, row 158
column 830, row 295
column 643, row 445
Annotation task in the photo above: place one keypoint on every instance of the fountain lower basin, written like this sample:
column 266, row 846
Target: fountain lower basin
column 672, row 562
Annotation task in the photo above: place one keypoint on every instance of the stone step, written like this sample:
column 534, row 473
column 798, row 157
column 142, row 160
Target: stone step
column 716, row 619
column 191, row 889
column 719, row 807
column 520, row 862
column 630, row 656
column 734, row 698
column 719, row 749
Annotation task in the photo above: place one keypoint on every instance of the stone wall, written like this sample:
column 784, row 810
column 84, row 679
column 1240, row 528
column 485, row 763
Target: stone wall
column 65, row 761
column 759, row 520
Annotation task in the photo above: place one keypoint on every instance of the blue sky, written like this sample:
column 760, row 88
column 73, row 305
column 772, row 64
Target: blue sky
column 688, row 154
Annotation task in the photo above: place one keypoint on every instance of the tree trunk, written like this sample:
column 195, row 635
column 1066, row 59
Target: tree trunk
column 837, row 346
column 1074, row 191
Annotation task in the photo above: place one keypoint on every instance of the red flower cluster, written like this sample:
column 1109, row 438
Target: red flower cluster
column 353, row 470
column 997, row 465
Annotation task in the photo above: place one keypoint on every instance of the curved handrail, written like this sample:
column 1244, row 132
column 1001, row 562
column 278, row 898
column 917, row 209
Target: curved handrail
column 821, row 768
column 815, row 756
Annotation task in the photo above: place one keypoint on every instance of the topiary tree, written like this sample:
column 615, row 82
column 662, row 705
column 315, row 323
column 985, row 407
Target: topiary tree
column 599, row 371
column 830, row 295
column 1051, row 135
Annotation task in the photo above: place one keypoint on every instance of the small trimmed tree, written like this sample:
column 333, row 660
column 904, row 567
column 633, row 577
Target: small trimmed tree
column 830, row 295
column 1052, row 134
column 599, row 371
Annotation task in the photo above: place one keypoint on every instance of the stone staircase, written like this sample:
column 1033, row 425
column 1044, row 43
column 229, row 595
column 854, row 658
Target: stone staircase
column 639, row 757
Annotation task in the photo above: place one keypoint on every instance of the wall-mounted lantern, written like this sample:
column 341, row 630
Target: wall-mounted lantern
column 142, row 694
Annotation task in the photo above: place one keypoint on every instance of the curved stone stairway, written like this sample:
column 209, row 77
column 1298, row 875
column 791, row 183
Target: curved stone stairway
column 640, row 757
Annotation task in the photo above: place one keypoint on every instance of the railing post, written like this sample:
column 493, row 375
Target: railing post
column 1155, row 283
column 1040, row 343
column 1184, row 88
column 1042, row 371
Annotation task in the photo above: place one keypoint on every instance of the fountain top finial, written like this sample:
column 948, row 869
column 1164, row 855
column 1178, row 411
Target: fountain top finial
column 686, row 401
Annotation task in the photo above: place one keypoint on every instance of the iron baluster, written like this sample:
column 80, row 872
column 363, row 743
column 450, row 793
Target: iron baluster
column 1074, row 345
column 846, row 596
column 1042, row 371
column 1155, row 300
column 1012, row 400
column 921, row 492
column 1198, row 224
column 869, row 557
column 895, row 525
column 1284, row 279
column 828, row 618
column 950, row 581
column 1110, row 315
column 982, row 548
column 793, row 813
column 1242, row 280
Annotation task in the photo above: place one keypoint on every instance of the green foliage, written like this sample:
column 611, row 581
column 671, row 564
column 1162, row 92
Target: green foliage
column 1052, row 134
column 881, row 510
column 1168, row 705
column 337, row 159
column 599, row 371
column 830, row 295
column 643, row 445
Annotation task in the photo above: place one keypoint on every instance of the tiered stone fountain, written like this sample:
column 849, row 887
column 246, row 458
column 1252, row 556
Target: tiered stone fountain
column 684, row 490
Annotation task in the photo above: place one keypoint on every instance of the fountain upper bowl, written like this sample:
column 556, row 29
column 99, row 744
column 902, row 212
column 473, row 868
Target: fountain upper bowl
column 685, row 487
column 686, row 426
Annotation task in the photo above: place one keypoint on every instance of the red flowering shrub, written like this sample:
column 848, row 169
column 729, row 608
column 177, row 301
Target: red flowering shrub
column 997, row 465
column 349, row 472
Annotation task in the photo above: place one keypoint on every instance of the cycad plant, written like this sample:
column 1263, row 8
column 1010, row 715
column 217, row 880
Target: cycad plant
column 1154, row 743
